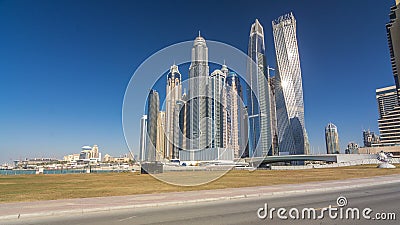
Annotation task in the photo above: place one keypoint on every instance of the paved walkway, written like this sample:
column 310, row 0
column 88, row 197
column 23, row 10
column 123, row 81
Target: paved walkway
column 85, row 205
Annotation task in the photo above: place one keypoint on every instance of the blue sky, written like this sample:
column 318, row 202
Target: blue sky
column 64, row 65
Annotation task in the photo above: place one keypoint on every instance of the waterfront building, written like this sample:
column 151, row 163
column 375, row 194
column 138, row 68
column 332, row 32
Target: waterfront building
column 199, row 100
column 71, row 157
column 393, row 36
column 153, row 106
column 89, row 152
column 370, row 138
column 332, row 139
column 173, row 95
column 292, row 135
column 259, row 112
column 143, row 138
column 352, row 148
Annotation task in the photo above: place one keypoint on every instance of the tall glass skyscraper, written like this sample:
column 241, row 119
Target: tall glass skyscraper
column 332, row 139
column 153, row 106
column 292, row 136
column 199, row 103
column 259, row 111
column 393, row 35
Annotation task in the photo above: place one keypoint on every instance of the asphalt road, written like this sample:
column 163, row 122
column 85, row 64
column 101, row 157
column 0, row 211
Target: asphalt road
column 382, row 198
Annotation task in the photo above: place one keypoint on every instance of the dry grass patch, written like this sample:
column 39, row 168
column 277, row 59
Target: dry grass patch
column 48, row 187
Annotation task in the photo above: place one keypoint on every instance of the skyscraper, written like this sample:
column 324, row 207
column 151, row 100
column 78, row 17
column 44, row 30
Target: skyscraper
column 274, row 127
column 387, row 99
column 153, row 106
column 393, row 35
column 389, row 127
column 259, row 112
column 199, row 102
column 173, row 94
column 370, row 138
column 181, row 127
column 292, row 136
column 218, row 108
column 389, row 115
column 143, row 140
column 352, row 148
column 234, row 119
column 161, row 137
column 244, row 147
column 332, row 139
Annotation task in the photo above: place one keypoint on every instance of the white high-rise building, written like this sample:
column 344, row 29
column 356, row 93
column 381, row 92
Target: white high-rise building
column 235, row 109
column 143, row 140
column 292, row 136
column 161, row 137
column 218, row 108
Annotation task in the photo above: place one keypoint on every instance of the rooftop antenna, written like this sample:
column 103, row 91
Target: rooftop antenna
column 199, row 33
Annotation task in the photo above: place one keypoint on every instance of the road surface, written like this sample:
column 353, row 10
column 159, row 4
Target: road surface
column 380, row 198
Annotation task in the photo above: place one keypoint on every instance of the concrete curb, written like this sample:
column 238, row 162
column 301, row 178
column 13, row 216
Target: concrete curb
column 212, row 199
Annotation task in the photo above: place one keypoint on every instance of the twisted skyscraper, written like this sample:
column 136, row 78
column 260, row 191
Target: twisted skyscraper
column 292, row 136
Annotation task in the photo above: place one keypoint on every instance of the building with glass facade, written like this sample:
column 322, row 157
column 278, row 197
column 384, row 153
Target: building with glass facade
column 259, row 111
column 198, row 97
column 332, row 139
column 292, row 136
column 153, row 106
column 393, row 36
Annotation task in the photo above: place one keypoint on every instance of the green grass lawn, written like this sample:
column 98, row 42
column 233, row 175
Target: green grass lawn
column 48, row 187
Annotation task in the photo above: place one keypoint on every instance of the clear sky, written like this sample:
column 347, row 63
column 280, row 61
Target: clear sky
column 64, row 65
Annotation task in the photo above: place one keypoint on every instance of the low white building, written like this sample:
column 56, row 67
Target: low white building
column 208, row 154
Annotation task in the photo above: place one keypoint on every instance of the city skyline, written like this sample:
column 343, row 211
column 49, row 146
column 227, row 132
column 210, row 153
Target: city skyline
column 45, row 141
